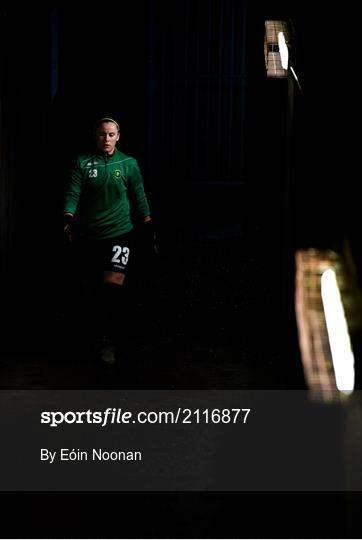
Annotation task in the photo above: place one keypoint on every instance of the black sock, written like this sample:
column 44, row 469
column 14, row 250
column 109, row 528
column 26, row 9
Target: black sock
column 110, row 311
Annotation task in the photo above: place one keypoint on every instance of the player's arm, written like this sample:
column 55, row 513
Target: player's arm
column 71, row 199
column 139, row 199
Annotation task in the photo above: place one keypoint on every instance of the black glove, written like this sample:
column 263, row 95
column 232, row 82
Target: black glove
column 68, row 221
column 149, row 239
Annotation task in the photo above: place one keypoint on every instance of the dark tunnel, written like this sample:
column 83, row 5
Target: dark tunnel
column 242, row 172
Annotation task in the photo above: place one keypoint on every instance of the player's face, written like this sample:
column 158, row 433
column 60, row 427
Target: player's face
column 106, row 137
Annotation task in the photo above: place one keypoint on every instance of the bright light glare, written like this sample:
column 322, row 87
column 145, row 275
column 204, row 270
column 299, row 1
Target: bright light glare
column 342, row 355
column 283, row 50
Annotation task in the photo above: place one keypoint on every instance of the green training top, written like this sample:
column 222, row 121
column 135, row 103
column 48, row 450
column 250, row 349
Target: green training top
column 101, row 189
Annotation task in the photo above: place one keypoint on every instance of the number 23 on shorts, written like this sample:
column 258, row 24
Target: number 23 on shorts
column 121, row 254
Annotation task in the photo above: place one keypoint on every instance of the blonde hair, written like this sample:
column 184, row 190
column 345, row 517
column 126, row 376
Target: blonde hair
column 106, row 119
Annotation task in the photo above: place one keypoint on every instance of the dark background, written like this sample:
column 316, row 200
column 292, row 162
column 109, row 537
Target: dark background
column 187, row 82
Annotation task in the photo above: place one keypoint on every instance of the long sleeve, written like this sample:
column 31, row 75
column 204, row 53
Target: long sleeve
column 73, row 189
column 137, row 191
